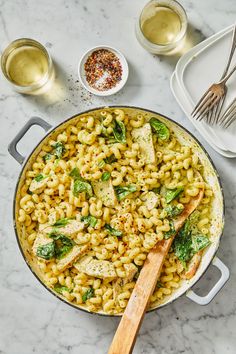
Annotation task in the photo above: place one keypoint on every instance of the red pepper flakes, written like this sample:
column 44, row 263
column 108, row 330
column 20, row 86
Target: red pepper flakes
column 103, row 70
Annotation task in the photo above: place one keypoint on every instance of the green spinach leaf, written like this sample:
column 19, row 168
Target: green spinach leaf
column 171, row 232
column 82, row 186
column 173, row 210
column 90, row 220
column 138, row 272
column 62, row 222
column 40, row 177
column 200, row 242
column 59, row 149
column 194, row 218
column 106, row 176
column 183, row 244
column 186, row 244
column 159, row 284
column 62, row 251
column 119, row 132
column 47, row 157
column 171, row 194
column 112, row 231
column 88, row 294
column 46, row 251
column 60, row 288
column 124, row 191
column 29, row 192
column 75, row 174
column 110, row 159
column 160, row 129
column 156, row 190
column 62, row 244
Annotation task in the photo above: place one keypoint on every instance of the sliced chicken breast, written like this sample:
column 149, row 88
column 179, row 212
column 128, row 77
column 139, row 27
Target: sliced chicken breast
column 71, row 228
column 105, row 192
column 143, row 136
column 71, row 257
column 96, row 268
column 150, row 199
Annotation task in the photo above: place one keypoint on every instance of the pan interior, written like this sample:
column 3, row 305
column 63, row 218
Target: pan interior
column 209, row 173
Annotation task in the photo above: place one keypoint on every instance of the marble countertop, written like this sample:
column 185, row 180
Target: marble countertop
column 31, row 319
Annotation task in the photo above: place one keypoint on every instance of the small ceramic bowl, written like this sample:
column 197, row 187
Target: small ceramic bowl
column 120, row 84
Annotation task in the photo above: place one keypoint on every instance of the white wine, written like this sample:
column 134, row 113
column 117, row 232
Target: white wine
column 162, row 26
column 26, row 66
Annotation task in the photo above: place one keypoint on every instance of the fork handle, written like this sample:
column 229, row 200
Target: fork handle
column 226, row 78
column 232, row 50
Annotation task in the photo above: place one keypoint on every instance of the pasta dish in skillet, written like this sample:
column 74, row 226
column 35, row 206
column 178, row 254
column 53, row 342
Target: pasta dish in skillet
column 98, row 198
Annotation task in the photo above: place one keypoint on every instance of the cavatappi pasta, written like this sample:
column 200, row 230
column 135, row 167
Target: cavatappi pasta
column 98, row 198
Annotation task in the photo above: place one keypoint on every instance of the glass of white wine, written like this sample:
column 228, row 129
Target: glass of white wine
column 161, row 26
column 27, row 65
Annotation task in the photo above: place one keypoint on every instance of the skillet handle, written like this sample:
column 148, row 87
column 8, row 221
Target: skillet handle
column 12, row 147
column 205, row 300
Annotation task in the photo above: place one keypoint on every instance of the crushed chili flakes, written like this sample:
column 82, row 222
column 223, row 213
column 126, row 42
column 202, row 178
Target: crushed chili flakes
column 103, row 70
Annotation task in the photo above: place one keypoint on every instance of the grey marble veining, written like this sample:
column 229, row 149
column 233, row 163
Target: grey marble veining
column 31, row 319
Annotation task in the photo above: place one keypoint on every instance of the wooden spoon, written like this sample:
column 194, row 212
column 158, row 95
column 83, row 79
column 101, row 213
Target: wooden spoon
column 125, row 336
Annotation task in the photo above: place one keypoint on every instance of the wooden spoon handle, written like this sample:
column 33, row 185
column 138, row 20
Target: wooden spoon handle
column 127, row 330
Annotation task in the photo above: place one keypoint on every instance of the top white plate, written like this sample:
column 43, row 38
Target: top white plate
column 197, row 70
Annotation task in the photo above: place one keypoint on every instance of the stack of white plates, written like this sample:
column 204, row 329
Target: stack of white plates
column 194, row 73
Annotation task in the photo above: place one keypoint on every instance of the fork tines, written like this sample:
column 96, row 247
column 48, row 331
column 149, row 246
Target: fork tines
column 206, row 103
column 213, row 115
column 229, row 115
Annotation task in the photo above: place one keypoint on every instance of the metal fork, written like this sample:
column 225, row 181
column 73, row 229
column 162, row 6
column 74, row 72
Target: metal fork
column 229, row 115
column 215, row 95
column 214, row 114
column 211, row 97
